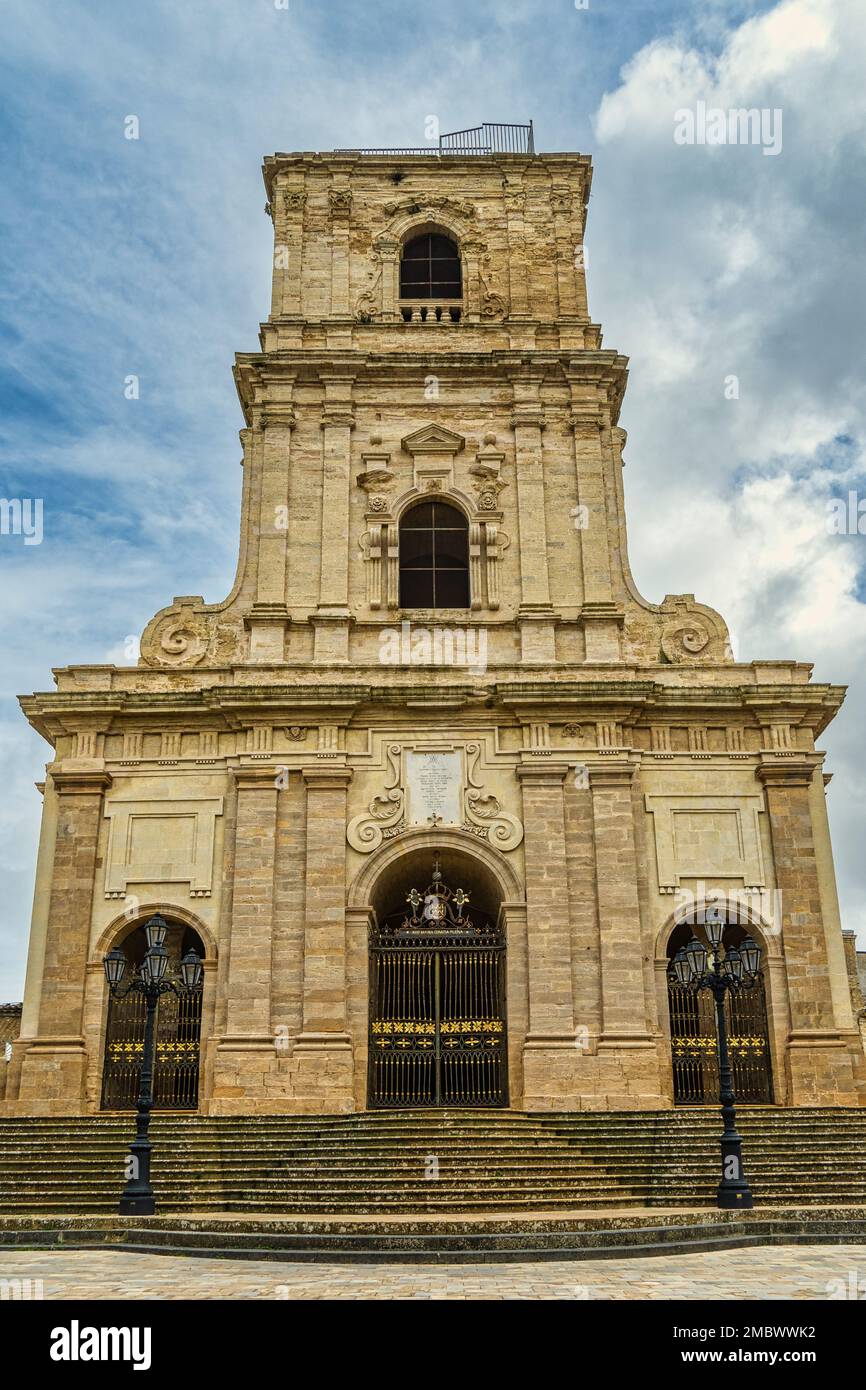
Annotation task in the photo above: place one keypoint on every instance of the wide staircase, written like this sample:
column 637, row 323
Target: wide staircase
column 443, row 1162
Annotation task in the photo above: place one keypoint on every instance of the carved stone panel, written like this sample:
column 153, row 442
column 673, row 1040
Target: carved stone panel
column 707, row 837
column 434, row 786
column 161, row 842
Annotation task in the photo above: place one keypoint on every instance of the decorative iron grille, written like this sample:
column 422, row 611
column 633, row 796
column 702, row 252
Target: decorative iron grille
column 437, row 1014
column 694, row 1046
column 176, row 1061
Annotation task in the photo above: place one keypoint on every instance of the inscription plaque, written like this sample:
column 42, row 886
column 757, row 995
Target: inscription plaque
column 433, row 782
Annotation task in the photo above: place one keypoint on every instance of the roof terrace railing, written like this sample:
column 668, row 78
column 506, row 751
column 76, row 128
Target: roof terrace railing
column 493, row 137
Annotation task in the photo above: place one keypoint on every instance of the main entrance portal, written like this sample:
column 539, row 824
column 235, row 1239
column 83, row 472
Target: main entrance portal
column 437, row 1004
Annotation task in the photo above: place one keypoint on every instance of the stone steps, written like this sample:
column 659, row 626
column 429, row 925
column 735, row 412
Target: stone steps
column 435, row 1237
column 376, row 1162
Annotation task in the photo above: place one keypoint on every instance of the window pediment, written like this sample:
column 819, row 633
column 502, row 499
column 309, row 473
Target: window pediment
column 433, row 439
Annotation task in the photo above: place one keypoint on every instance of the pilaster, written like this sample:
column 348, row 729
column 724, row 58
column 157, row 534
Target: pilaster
column 269, row 616
column 535, row 612
column 322, row 1056
column 249, row 990
column 53, row 1069
column 340, row 206
column 823, row 1066
column 548, row 933
column 601, row 617
column 288, row 215
column 332, row 618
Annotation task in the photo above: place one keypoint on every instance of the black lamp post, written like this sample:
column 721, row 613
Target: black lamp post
column 150, row 979
column 695, row 968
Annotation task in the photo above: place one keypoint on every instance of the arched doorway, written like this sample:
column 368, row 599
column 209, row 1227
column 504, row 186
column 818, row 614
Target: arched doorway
column 437, row 1013
column 694, row 1048
column 178, row 1030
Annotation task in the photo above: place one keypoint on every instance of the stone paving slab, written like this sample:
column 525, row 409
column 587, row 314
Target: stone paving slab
column 802, row 1272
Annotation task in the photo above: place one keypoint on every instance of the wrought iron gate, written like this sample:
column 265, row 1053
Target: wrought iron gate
column 437, row 1005
column 695, row 1052
column 176, row 1064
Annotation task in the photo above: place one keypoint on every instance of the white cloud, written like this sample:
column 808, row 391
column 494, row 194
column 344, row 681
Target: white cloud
column 706, row 262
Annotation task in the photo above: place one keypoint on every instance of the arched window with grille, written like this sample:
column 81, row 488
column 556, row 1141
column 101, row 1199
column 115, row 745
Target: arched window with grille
column 430, row 268
column 434, row 557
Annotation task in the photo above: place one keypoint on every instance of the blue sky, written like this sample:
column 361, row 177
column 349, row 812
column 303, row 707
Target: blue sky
column 151, row 257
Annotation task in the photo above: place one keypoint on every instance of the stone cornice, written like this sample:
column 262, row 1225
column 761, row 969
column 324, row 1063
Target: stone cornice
column 81, row 781
column 536, row 166
column 261, row 777
column 327, row 778
column 792, row 770
column 55, row 713
column 542, row 771
column 602, row 369
column 618, row 771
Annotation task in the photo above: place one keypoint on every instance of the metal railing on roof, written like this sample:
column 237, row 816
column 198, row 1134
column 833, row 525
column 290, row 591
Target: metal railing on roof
column 493, row 137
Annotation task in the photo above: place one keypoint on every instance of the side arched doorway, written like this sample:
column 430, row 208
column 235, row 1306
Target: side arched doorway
column 178, row 1031
column 694, row 1048
column 438, row 1033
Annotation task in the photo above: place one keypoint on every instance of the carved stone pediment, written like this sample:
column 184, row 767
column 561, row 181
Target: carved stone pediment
column 433, row 439
column 411, row 207
column 433, row 449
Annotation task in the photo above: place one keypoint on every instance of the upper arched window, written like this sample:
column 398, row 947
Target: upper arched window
column 434, row 557
column 430, row 268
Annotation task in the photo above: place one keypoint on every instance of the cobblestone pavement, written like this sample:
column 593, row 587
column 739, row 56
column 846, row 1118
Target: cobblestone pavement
column 768, row 1272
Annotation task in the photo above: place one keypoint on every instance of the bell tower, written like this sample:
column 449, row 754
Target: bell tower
column 429, row 338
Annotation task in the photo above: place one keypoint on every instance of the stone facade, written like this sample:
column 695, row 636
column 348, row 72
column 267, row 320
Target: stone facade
column 253, row 776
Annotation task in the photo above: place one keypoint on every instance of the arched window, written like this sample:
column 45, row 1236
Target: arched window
column 430, row 268
column 434, row 557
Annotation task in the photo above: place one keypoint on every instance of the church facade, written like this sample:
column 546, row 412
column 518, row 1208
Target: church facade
column 435, row 792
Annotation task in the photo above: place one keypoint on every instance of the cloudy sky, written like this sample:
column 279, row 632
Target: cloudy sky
column 151, row 257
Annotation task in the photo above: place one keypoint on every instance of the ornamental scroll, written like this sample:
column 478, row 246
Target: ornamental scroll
column 435, row 787
column 483, row 812
column 384, row 815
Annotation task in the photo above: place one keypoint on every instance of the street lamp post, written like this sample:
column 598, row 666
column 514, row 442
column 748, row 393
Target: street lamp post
column 150, row 980
column 695, row 968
